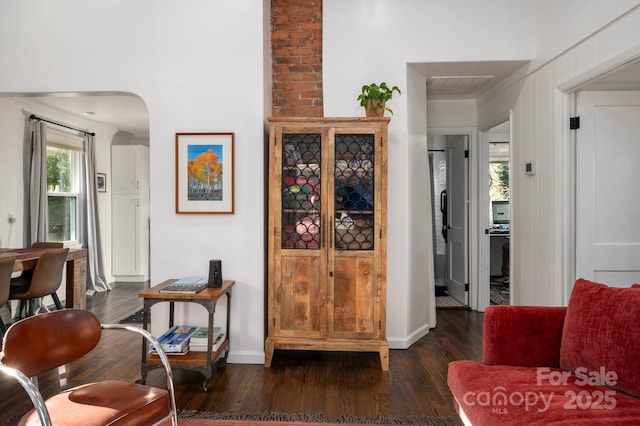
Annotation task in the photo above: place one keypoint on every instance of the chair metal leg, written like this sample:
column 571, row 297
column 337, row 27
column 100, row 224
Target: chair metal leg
column 22, row 307
column 56, row 300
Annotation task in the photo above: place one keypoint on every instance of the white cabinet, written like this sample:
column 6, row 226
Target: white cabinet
column 130, row 212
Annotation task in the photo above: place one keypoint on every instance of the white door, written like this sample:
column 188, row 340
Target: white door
column 456, row 274
column 608, row 192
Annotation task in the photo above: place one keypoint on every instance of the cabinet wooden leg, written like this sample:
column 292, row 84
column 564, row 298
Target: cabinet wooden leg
column 268, row 352
column 384, row 357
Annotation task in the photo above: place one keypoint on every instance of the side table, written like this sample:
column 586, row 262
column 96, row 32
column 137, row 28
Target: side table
column 203, row 362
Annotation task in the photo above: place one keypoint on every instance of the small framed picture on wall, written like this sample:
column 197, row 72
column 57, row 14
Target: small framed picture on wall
column 101, row 182
column 204, row 173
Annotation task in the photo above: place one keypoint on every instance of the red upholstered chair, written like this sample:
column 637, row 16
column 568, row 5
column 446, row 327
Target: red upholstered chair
column 40, row 343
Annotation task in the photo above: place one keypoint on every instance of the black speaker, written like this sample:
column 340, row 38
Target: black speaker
column 215, row 273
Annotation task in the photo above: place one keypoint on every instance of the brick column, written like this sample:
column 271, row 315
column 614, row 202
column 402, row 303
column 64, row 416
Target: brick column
column 296, row 43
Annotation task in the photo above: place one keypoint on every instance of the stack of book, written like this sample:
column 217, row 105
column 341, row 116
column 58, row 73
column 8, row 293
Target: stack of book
column 180, row 339
column 175, row 341
column 198, row 342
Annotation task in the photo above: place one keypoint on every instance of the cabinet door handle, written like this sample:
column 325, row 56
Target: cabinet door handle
column 330, row 229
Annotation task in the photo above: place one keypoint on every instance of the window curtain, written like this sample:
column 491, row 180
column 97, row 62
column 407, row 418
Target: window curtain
column 36, row 187
column 90, row 229
column 37, row 190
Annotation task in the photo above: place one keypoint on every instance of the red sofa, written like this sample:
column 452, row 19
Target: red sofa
column 555, row 365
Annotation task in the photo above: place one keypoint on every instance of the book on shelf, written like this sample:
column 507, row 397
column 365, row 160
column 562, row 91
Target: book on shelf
column 218, row 341
column 201, row 334
column 176, row 339
column 154, row 352
column 186, row 285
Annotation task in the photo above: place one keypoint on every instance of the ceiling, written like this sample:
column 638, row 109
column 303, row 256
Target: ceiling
column 464, row 79
column 128, row 113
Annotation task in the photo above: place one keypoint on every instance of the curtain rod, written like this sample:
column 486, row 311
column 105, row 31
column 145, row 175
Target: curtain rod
column 35, row 117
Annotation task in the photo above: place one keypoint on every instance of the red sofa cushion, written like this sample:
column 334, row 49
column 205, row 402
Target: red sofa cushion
column 602, row 334
column 526, row 336
column 499, row 394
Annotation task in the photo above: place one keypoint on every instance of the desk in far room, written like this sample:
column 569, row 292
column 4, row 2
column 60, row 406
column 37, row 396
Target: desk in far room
column 498, row 238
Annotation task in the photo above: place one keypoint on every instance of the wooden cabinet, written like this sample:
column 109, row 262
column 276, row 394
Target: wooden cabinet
column 130, row 212
column 327, row 235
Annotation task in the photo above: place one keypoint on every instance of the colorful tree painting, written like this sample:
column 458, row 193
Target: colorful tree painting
column 204, row 170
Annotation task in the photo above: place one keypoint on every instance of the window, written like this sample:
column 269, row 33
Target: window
column 63, row 191
column 498, row 190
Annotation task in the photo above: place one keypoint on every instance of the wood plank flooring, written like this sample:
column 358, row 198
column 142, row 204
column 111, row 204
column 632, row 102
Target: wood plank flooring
column 331, row 383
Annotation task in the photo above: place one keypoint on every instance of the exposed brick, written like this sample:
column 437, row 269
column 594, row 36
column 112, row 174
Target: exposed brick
column 296, row 43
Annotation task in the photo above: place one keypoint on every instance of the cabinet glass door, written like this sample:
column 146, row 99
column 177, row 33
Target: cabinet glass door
column 354, row 191
column 301, row 216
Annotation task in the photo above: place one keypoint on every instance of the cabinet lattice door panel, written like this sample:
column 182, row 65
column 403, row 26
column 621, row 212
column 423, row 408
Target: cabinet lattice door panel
column 327, row 235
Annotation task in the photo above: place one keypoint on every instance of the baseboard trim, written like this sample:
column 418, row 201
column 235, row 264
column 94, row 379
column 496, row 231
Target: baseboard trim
column 407, row 342
column 248, row 357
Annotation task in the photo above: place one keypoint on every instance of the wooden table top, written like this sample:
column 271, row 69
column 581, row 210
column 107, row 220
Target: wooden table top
column 26, row 258
column 205, row 293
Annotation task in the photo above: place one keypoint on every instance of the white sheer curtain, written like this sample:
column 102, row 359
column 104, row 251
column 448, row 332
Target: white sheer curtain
column 37, row 190
column 90, row 231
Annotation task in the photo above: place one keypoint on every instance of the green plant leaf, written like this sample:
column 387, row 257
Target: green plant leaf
column 377, row 93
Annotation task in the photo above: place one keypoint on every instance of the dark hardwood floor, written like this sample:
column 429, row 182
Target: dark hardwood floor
column 331, row 383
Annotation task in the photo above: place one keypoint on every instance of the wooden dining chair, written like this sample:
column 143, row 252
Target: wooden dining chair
column 41, row 343
column 45, row 281
column 6, row 268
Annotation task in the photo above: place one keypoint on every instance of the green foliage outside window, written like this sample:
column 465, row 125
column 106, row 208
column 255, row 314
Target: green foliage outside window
column 58, row 170
column 499, row 183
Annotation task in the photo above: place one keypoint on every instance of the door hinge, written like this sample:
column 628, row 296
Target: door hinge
column 574, row 123
column 466, row 287
column 379, row 324
column 466, row 153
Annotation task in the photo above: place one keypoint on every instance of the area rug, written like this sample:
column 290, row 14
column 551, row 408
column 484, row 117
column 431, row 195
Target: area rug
column 499, row 293
column 194, row 418
column 135, row 318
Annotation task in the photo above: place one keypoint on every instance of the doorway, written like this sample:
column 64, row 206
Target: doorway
column 499, row 214
column 448, row 163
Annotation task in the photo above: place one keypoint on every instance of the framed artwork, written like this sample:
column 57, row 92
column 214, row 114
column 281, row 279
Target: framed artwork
column 101, row 182
column 204, row 173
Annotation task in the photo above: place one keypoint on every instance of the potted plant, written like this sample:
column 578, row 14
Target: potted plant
column 374, row 98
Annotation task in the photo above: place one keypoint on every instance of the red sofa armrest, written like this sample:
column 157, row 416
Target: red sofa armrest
column 526, row 336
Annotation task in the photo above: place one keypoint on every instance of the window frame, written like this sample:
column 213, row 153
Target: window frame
column 73, row 143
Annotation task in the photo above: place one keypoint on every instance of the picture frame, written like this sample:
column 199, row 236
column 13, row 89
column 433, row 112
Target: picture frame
column 204, row 173
column 101, row 182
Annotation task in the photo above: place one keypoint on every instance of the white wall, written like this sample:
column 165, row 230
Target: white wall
column 542, row 215
column 366, row 41
column 198, row 66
